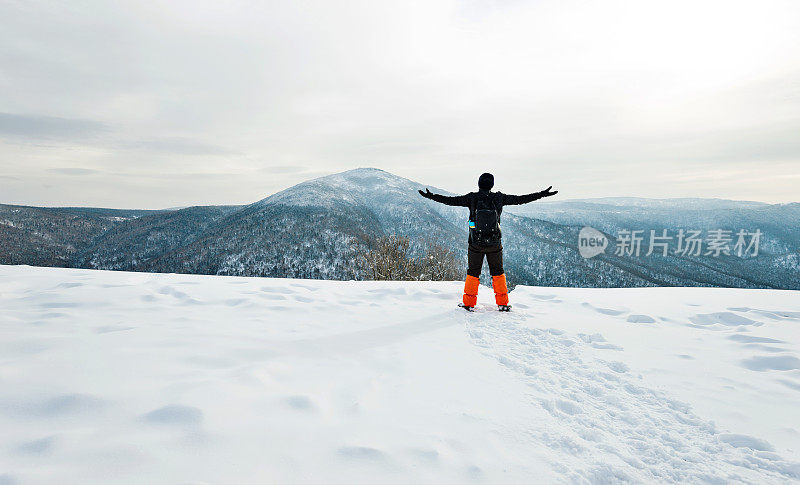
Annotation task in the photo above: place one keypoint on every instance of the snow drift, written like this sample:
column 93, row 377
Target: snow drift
column 112, row 377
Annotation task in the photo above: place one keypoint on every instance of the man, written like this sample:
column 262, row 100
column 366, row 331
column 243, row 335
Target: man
column 485, row 208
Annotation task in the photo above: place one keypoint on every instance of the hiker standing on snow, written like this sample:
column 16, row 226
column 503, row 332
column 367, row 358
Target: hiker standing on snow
column 485, row 208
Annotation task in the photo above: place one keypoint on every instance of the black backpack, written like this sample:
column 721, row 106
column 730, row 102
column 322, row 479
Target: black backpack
column 486, row 231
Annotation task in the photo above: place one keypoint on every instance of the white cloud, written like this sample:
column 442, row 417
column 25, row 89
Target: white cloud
column 600, row 99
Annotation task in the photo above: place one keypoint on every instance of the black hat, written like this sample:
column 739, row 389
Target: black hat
column 486, row 181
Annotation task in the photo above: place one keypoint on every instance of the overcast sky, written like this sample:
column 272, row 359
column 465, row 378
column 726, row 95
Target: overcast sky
column 160, row 104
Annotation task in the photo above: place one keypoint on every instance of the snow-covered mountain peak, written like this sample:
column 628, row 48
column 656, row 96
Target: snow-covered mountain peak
column 312, row 230
column 386, row 194
column 371, row 183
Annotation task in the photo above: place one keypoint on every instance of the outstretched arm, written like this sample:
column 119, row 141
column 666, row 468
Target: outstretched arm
column 524, row 199
column 459, row 200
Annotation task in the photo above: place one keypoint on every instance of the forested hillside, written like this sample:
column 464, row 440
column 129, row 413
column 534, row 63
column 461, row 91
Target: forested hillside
column 318, row 229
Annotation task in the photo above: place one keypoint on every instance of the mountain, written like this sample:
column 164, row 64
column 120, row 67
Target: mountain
column 317, row 228
column 781, row 221
column 311, row 230
column 138, row 240
column 45, row 236
column 778, row 259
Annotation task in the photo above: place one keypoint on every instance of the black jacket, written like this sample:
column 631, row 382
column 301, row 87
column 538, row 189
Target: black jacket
column 499, row 199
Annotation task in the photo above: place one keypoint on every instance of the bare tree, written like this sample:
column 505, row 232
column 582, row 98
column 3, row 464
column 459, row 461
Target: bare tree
column 390, row 258
column 438, row 263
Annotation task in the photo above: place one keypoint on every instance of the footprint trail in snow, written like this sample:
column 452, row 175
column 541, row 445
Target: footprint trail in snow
column 607, row 426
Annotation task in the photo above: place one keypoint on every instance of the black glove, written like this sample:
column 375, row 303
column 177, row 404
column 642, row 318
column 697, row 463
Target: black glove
column 547, row 192
column 427, row 194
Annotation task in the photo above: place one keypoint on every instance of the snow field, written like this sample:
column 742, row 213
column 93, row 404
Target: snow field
column 111, row 377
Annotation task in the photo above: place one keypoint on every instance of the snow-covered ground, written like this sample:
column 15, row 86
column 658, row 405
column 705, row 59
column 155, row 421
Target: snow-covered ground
column 111, row 377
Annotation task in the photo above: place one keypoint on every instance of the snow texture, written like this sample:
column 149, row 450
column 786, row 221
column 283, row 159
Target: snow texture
column 113, row 377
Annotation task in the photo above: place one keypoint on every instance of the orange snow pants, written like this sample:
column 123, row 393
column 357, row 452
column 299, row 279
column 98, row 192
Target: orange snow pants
column 494, row 256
